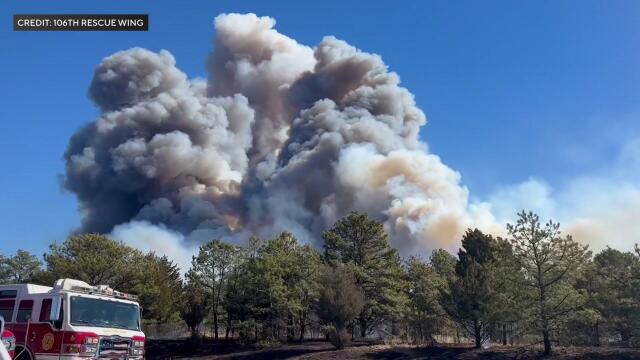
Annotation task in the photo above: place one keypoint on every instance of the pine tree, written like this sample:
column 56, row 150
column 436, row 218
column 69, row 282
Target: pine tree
column 424, row 314
column 471, row 300
column 358, row 241
column 549, row 263
column 340, row 301
column 21, row 268
column 617, row 295
column 211, row 268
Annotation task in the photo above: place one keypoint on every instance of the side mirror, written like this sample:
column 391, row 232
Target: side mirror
column 1, row 325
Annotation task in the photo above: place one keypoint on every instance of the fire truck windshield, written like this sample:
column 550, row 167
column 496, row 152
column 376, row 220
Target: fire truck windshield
column 104, row 313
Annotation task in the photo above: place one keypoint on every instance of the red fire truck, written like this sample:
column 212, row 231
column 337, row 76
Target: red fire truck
column 72, row 320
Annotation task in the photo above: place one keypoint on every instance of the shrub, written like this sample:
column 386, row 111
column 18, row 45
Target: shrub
column 340, row 338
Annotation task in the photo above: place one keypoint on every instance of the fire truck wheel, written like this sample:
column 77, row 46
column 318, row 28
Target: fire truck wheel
column 22, row 355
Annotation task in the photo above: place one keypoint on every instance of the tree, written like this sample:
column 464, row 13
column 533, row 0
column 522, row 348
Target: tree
column 617, row 297
column 243, row 298
column 98, row 260
column 211, row 269
column 306, row 288
column 194, row 306
column 508, row 300
column 288, row 274
column 95, row 259
column 20, row 268
column 424, row 312
column 159, row 288
column 360, row 242
column 443, row 263
column 549, row 264
column 471, row 298
column 341, row 300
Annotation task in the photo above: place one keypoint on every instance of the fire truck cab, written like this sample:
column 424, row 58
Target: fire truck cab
column 72, row 320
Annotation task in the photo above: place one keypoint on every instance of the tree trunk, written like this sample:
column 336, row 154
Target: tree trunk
column 226, row 335
column 215, row 324
column 290, row 328
column 303, row 325
column 547, row 342
column 477, row 333
column 363, row 326
column 543, row 312
column 504, row 334
column 625, row 336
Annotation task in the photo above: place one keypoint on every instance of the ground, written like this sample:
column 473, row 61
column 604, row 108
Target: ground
column 318, row 350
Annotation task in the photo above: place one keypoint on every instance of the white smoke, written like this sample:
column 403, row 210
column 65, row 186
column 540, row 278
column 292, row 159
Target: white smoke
column 600, row 209
column 155, row 238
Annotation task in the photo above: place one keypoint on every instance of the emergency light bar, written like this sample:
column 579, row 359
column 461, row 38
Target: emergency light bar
column 103, row 290
column 83, row 287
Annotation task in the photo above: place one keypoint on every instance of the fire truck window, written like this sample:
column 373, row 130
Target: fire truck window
column 104, row 313
column 8, row 294
column 24, row 311
column 45, row 310
column 6, row 309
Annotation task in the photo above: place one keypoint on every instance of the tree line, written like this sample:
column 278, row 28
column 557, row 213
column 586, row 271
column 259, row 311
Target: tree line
column 534, row 286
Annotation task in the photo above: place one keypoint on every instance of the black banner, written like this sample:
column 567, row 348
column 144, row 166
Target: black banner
column 80, row 22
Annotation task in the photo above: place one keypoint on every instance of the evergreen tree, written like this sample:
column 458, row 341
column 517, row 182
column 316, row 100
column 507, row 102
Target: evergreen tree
column 159, row 288
column 550, row 264
column 617, row 296
column 340, row 301
column 288, row 275
column 194, row 306
column 510, row 315
column 211, row 268
column 444, row 264
column 424, row 314
column 21, row 268
column 245, row 293
column 360, row 242
column 98, row 260
column 471, row 301
column 95, row 259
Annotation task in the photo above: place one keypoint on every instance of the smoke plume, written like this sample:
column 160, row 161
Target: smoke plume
column 280, row 136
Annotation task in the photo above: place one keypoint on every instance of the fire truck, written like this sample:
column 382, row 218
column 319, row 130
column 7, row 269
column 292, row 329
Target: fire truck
column 72, row 320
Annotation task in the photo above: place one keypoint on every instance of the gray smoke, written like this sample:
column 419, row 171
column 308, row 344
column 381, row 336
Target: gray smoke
column 281, row 136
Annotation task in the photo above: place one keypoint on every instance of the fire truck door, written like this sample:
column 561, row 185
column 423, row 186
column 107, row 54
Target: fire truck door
column 45, row 341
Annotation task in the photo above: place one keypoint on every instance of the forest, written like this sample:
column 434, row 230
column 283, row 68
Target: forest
column 534, row 286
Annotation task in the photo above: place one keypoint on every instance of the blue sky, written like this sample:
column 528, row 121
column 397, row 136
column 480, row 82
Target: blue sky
column 511, row 90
